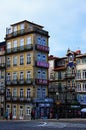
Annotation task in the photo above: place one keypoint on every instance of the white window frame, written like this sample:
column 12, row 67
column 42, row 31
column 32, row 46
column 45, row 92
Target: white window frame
column 21, row 75
column 21, row 42
column 28, row 92
column 29, row 40
column 15, row 60
column 28, row 58
column 21, row 59
column 15, row 44
column 28, row 74
column 14, row 92
column 9, row 45
column 14, row 75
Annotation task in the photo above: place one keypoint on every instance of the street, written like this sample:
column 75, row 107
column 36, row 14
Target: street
column 43, row 125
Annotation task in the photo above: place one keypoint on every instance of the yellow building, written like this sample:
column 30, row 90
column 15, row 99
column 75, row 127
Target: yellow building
column 26, row 67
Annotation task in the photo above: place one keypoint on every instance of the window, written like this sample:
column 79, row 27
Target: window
column 15, row 28
column 21, row 59
column 28, row 111
column 43, row 41
column 28, row 93
column 70, row 58
column 14, row 112
column 38, row 40
column 78, row 87
column 28, row 59
column 21, row 112
column 21, row 93
column 43, row 74
column 15, row 61
column 8, row 109
column 78, row 61
column 43, row 57
column 8, row 45
column 84, row 86
column 28, row 40
column 14, row 92
column 8, row 61
column 21, row 26
column 39, row 92
column 38, row 57
column 84, row 74
column 22, row 42
column 28, row 74
column 15, row 76
column 43, row 92
column 8, row 76
column 83, row 60
column 21, row 75
column 8, row 92
column 14, row 43
column 78, row 74
column 39, row 74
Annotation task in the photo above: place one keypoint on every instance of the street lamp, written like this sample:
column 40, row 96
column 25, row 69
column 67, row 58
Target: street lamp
column 57, row 105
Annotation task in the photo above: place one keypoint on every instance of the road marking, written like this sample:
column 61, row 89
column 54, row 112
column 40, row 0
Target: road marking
column 44, row 123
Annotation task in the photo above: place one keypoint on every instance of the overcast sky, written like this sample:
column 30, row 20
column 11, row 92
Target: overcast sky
column 65, row 20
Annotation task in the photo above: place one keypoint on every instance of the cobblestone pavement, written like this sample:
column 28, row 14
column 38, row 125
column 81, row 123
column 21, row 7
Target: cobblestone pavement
column 43, row 125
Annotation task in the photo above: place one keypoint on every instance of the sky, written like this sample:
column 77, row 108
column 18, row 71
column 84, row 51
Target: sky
column 65, row 20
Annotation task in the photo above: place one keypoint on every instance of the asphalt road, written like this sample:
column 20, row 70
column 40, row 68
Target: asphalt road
column 43, row 125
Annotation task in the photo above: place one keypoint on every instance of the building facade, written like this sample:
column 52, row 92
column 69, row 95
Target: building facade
column 2, row 78
column 26, row 69
column 63, row 85
column 81, row 79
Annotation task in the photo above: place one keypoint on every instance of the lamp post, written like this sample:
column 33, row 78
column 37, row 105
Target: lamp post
column 57, row 103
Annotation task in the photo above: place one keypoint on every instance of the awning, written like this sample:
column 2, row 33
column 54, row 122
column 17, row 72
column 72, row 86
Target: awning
column 83, row 110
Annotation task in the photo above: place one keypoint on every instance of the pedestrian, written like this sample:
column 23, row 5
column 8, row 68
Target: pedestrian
column 32, row 114
column 10, row 116
column 6, row 115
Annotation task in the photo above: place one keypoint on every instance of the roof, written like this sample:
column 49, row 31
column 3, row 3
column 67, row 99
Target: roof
column 26, row 22
column 2, row 43
column 82, row 55
column 51, row 57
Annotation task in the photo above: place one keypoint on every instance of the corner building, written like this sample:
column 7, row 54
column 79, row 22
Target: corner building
column 26, row 68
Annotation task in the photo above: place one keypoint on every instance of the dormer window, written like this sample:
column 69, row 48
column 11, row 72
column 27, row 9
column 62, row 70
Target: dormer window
column 70, row 58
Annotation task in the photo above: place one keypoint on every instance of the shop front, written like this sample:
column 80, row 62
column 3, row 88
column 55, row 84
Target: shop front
column 43, row 108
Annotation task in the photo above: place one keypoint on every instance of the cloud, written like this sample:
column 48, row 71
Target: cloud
column 64, row 19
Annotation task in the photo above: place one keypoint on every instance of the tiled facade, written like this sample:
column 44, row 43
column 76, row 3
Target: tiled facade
column 26, row 67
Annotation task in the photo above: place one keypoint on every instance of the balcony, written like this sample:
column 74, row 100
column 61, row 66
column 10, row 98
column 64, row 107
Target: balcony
column 20, row 49
column 19, row 82
column 2, row 91
column 41, row 81
column 18, row 99
column 42, row 64
column 28, row 81
column 15, row 81
column 42, row 48
column 69, row 75
column 26, row 31
column 8, row 82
